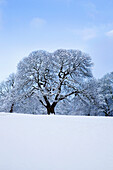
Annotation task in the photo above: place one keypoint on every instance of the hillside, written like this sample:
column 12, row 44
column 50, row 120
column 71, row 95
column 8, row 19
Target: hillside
column 30, row 142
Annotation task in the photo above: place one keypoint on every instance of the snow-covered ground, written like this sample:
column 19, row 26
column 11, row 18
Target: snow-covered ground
column 29, row 142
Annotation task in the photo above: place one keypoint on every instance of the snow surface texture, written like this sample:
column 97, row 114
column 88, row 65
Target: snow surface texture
column 30, row 142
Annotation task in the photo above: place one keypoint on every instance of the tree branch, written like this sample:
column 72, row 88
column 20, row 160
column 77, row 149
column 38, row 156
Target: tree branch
column 74, row 92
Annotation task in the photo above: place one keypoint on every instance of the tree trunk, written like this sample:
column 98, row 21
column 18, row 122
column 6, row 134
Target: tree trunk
column 48, row 110
column 51, row 108
column 11, row 110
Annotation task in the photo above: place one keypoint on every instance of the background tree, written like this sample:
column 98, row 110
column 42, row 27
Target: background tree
column 53, row 77
column 87, row 102
column 105, row 90
column 29, row 105
column 7, row 94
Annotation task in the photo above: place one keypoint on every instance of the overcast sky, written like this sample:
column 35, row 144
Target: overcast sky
column 29, row 25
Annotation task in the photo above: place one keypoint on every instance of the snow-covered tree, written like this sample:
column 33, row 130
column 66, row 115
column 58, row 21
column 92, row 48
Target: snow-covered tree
column 7, row 94
column 105, row 90
column 87, row 102
column 29, row 105
column 53, row 77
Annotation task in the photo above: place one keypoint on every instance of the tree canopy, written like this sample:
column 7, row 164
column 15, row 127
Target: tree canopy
column 53, row 77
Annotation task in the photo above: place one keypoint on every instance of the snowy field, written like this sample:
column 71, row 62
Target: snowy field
column 30, row 142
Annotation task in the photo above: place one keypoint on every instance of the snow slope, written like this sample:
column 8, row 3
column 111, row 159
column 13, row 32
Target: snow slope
column 30, row 142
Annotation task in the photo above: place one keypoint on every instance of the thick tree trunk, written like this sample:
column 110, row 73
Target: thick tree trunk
column 51, row 108
column 11, row 110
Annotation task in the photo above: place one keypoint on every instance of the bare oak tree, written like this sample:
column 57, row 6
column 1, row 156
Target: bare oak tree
column 53, row 77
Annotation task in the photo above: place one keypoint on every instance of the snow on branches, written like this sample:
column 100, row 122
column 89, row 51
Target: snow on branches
column 53, row 77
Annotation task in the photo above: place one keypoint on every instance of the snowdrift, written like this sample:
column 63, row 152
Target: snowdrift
column 30, row 142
